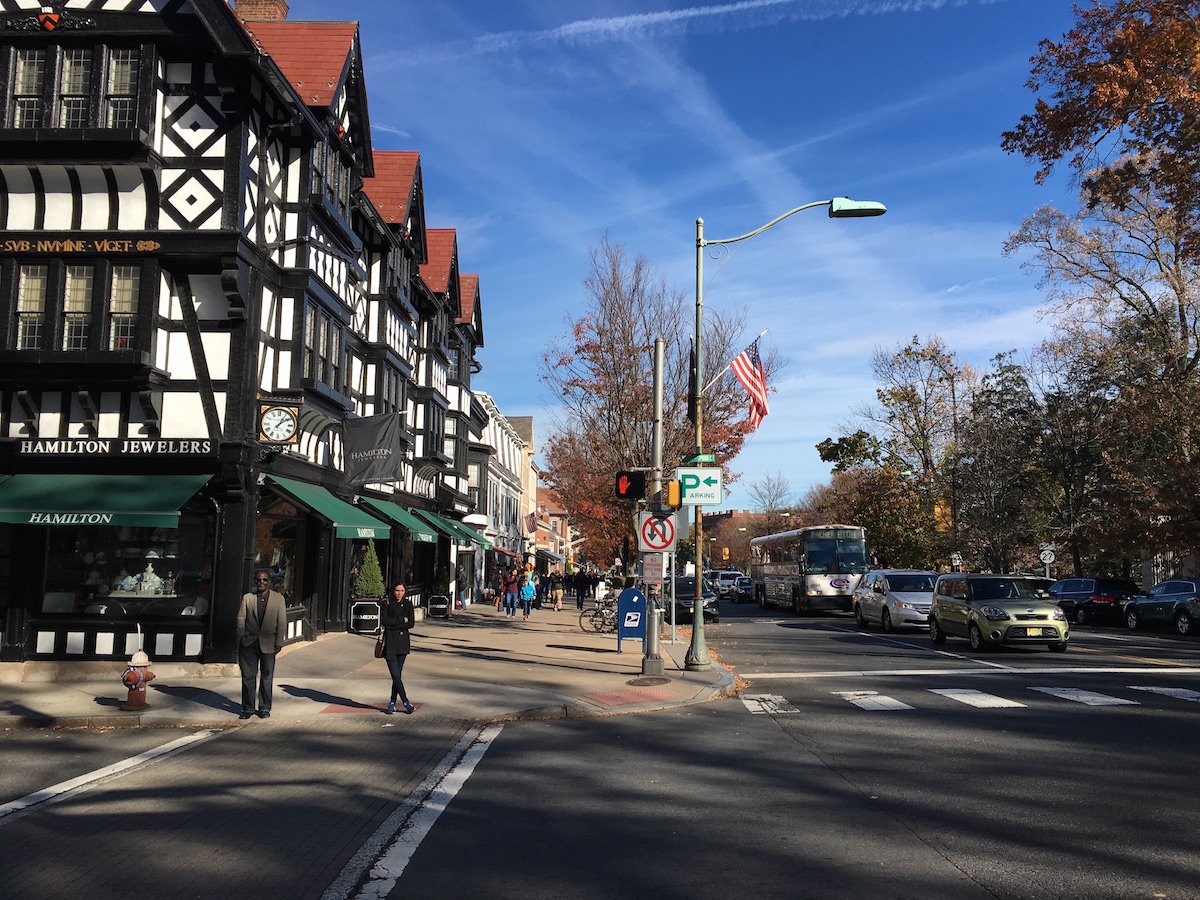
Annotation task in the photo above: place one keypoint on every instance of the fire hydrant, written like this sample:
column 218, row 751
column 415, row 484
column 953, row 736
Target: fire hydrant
column 135, row 677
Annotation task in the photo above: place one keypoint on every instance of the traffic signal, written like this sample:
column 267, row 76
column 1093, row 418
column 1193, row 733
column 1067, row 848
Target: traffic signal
column 630, row 485
column 673, row 494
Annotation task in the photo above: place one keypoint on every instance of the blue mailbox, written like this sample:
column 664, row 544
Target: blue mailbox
column 631, row 615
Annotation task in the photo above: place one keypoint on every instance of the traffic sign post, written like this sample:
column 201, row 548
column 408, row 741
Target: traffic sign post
column 1047, row 556
column 701, row 485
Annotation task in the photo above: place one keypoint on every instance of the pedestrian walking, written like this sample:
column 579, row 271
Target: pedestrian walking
column 261, row 630
column 512, row 585
column 556, row 590
column 581, row 587
column 398, row 618
column 528, row 591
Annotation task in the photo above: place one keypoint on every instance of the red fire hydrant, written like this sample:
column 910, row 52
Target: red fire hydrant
column 135, row 677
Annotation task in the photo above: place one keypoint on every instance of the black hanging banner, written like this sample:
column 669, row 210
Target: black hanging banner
column 372, row 446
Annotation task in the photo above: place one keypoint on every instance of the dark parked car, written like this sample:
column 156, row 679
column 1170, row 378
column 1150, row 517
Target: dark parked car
column 1087, row 601
column 1176, row 600
column 685, row 596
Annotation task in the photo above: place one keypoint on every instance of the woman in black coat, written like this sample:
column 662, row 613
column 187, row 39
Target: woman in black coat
column 398, row 618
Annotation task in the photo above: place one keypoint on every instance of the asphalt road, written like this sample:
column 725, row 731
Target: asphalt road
column 852, row 766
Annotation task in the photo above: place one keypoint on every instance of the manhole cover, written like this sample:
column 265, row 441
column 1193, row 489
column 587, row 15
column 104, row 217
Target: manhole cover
column 648, row 682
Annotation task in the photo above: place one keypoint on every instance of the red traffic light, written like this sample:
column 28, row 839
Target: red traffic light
column 630, row 485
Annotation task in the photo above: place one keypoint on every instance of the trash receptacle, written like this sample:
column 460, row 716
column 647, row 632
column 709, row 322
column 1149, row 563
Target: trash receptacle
column 439, row 605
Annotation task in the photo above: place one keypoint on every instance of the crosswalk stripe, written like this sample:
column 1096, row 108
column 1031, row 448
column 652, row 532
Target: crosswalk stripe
column 1090, row 698
column 871, row 700
column 768, row 705
column 1177, row 693
column 977, row 698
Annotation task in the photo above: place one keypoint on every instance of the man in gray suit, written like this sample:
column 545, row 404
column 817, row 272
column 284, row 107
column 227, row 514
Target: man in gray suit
column 261, row 630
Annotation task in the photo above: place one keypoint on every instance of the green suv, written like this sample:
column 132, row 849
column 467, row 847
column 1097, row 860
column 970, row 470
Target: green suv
column 990, row 610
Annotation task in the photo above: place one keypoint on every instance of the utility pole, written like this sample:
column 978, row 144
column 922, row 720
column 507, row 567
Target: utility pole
column 652, row 663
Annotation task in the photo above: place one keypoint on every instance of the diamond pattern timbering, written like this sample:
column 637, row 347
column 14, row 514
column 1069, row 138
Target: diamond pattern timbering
column 191, row 199
column 193, row 126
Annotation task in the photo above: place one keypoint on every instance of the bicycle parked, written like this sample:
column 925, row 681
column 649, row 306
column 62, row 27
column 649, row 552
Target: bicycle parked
column 600, row 620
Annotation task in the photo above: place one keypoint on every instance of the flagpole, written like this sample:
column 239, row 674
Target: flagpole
column 729, row 365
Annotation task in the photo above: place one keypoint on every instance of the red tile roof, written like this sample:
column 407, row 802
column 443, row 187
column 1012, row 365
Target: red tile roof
column 312, row 55
column 468, row 293
column 391, row 188
column 440, row 251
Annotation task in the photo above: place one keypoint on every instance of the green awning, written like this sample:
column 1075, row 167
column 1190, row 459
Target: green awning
column 445, row 526
column 474, row 535
column 417, row 530
column 459, row 532
column 151, row 501
column 348, row 520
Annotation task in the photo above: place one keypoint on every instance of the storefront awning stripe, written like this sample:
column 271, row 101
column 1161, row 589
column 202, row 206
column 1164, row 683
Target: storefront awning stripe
column 417, row 530
column 444, row 526
column 151, row 501
column 348, row 521
column 550, row 555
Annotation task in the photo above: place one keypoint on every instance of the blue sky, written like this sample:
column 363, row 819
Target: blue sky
column 543, row 126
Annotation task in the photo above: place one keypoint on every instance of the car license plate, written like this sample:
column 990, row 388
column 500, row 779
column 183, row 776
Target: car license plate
column 1033, row 632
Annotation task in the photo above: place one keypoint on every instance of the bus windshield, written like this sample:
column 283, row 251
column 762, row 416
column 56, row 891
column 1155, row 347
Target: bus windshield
column 835, row 555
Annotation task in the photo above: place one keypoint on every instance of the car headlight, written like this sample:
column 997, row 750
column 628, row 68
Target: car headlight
column 900, row 604
column 993, row 613
column 1058, row 614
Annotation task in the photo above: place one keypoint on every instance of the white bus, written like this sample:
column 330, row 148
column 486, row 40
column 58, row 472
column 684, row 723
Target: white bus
column 809, row 569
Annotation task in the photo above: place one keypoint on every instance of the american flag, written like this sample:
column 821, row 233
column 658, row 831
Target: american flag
column 749, row 371
column 531, row 522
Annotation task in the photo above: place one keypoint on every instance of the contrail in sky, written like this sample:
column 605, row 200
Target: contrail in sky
column 742, row 14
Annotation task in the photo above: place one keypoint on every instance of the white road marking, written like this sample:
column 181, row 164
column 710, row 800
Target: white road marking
column 1032, row 670
column 768, row 704
column 1177, row 693
column 1090, row 698
column 405, row 828
column 63, row 789
column 872, row 700
column 977, row 698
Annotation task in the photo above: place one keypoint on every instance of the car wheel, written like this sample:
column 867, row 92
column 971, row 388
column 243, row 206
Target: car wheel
column 762, row 598
column 1060, row 647
column 1131, row 619
column 975, row 637
column 887, row 622
column 1183, row 622
column 859, row 619
column 935, row 631
column 1081, row 616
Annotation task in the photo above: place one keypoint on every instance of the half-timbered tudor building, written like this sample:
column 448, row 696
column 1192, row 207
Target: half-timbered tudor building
column 206, row 270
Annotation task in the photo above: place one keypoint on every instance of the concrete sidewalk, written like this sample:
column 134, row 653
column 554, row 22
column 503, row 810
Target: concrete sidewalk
column 478, row 665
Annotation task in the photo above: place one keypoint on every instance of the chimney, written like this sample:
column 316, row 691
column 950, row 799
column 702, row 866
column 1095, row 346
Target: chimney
column 262, row 10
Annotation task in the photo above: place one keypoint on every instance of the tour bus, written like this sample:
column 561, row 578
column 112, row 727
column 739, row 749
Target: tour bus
column 809, row 569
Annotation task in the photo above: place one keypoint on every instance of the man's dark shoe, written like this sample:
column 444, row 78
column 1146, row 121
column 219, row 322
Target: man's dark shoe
column 245, row 714
column 264, row 714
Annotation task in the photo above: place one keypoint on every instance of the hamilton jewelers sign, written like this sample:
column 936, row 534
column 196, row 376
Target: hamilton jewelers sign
column 115, row 447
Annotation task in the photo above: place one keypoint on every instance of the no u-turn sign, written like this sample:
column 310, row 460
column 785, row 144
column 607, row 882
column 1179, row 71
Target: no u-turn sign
column 656, row 532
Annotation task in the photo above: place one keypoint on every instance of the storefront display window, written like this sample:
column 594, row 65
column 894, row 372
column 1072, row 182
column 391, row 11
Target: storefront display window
column 131, row 572
column 279, row 539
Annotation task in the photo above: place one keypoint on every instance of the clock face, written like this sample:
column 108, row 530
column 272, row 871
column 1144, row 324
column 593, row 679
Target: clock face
column 278, row 423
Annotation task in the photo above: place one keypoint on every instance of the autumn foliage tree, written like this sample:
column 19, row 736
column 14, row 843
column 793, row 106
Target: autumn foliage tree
column 600, row 370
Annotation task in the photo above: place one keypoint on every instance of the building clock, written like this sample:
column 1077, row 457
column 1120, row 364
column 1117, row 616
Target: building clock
column 277, row 424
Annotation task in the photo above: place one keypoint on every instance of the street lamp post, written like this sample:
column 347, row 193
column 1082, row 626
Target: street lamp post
column 839, row 208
